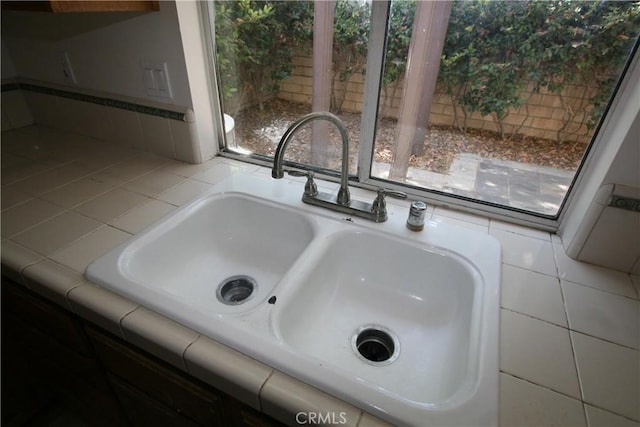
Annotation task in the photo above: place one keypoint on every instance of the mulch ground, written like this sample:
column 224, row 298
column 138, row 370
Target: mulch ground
column 260, row 132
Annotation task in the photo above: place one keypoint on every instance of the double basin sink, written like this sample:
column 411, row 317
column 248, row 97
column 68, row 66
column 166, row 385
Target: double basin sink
column 404, row 325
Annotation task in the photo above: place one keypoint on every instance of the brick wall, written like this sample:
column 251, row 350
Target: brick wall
column 545, row 115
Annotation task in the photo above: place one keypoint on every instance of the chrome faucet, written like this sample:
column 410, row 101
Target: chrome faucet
column 375, row 211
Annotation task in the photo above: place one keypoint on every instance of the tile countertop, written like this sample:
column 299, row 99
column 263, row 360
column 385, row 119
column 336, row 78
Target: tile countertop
column 570, row 331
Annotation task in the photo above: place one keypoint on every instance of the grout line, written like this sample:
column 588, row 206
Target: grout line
column 262, row 386
column 542, row 386
column 568, row 328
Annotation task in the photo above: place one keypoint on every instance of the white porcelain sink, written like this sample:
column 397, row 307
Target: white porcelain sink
column 404, row 325
column 402, row 308
column 233, row 239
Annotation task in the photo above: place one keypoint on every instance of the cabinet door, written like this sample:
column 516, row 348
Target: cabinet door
column 55, row 322
column 51, row 343
column 239, row 414
column 143, row 411
column 165, row 384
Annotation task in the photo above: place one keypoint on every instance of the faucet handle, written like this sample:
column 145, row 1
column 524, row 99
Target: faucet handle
column 395, row 194
column 310, row 188
column 379, row 206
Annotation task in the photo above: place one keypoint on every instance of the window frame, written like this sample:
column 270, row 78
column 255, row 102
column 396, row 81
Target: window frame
column 373, row 86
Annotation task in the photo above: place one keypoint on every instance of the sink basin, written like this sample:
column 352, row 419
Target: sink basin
column 393, row 313
column 214, row 255
column 404, row 325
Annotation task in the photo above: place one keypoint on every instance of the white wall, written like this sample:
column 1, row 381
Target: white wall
column 105, row 49
column 591, row 230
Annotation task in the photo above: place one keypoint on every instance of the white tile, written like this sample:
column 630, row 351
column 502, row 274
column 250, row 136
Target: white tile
column 111, row 205
column 97, row 155
column 15, row 258
column 538, row 352
column 94, row 120
column 137, row 219
column 101, row 307
column 636, row 282
column 11, row 197
column 90, row 247
column 533, row 294
column 127, row 130
column 23, row 216
column 158, row 335
column 610, row 243
column 157, row 135
column 56, row 233
column 53, row 281
column 77, row 192
column 187, row 169
column 524, row 404
column 224, row 368
column 222, row 170
column 15, row 173
column 185, row 146
column 282, row 397
column 462, row 216
column 603, row 314
column 153, row 183
column 53, row 178
column 137, row 166
column 459, row 223
column 635, row 270
column 609, row 374
column 184, row 192
column 592, row 275
column 520, row 229
column 526, row 252
column 368, row 420
column 14, row 106
column 597, row 417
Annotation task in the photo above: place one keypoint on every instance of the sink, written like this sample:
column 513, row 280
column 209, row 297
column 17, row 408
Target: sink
column 396, row 314
column 404, row 325
column 214, row 255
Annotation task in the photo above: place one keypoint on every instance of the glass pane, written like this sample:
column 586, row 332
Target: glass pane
column 520, row 89
column 272, row 54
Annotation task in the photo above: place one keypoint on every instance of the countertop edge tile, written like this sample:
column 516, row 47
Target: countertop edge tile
column 368, row 420
column 158, row 335
column 15, row 258
column 52, row 281
column 226, row 369
column 100, row 307
column 283, row 397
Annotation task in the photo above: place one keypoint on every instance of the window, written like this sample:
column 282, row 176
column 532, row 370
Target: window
column 489, row 105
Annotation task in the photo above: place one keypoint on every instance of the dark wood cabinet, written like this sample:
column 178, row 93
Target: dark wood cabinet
column 105, row 381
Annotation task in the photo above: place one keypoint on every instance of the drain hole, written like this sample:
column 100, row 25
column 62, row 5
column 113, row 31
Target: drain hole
column 235, row 290
column 376, row 345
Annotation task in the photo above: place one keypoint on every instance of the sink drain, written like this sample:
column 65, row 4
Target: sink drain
column 236, row 289
column 375, row 345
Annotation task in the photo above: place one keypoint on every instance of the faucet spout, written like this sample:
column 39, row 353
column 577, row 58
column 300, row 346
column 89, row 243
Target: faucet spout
column 278, row 172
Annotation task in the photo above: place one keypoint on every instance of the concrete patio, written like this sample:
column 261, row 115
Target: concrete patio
column 518, row 185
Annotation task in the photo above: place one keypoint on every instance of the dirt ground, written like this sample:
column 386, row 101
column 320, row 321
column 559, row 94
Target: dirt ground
column 260, row 132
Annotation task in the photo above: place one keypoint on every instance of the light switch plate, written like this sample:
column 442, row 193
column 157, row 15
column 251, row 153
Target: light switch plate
column 64, row 68
column 155, row 76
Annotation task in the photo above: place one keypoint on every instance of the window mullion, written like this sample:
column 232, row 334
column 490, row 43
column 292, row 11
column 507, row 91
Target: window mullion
column 372, row 86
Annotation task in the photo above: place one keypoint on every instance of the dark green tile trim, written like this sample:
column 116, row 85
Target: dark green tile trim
column 6, row 87
column 626, row 203
column 107, row 102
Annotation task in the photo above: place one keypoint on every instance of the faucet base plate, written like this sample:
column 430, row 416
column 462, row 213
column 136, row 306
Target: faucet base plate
column 354, row 208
